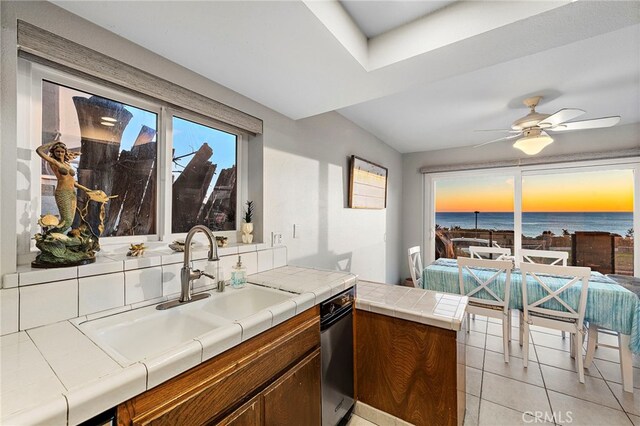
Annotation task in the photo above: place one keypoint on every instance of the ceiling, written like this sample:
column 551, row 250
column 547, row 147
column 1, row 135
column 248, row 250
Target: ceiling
column 423, row 79
column 376, row 17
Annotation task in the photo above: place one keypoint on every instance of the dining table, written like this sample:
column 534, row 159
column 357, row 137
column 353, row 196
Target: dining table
column 609, row 305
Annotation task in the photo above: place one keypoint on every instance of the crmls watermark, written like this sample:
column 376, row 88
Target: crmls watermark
column 546, row 416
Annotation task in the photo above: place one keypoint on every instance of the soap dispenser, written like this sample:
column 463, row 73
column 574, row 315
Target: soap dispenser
column 238, row 275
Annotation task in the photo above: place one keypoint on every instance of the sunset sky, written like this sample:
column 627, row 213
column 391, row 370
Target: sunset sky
column 599, row 191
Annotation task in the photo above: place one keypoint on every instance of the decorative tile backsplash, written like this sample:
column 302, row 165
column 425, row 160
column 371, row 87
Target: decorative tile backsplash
column 36, row 297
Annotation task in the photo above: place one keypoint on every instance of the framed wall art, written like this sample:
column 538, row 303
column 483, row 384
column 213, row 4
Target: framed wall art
column 368, row 185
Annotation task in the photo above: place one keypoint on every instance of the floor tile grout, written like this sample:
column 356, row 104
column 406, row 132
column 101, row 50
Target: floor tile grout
column 544, row 383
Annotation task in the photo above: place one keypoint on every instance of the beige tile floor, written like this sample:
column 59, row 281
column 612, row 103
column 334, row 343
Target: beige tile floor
column 548, row 391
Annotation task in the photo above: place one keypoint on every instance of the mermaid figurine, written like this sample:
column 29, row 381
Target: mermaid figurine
column 80, row 244
column 59, row 158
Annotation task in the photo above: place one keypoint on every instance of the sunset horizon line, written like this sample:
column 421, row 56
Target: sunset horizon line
column 539, row 211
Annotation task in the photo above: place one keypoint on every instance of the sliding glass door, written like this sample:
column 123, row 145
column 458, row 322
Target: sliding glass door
column 586, row 210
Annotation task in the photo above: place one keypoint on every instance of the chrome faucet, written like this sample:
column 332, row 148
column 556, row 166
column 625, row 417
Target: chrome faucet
column 187, row 275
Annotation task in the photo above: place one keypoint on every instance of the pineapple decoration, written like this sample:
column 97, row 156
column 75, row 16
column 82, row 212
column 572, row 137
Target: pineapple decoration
column 247, row 226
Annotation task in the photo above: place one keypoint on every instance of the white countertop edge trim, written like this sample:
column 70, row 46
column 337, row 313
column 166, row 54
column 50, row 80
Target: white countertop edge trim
column 44, row 413
column 448, row 323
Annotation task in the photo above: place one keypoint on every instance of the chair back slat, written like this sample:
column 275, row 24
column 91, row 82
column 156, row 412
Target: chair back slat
column 575, row 276
column 478, row 251
column 415, row 266
column 468, row 267
column 559, row 257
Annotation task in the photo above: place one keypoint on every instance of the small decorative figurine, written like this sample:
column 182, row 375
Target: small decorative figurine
column 222, row 241
column 177, row 245
column 136, row 250
column 78, row 246
column 247, row 226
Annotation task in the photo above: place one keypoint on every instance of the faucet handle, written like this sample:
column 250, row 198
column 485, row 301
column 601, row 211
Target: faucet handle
column 207, row 275
column 197, row 273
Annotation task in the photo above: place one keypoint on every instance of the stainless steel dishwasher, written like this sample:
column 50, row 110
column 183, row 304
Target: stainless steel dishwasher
column 336, row 340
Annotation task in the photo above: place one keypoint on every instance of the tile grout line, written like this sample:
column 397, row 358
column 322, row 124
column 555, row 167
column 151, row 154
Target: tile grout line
column 544, row 383
column 482, row 371
column 614, row 395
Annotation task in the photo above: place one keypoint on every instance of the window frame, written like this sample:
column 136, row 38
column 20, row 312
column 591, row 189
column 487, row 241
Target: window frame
column 518, row 173
column 30, row 78
column 241, row 170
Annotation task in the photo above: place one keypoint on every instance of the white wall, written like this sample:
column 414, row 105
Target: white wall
column 597, row 140
column 304, row 163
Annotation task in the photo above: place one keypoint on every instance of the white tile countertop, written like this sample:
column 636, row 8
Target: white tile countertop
column 441, row 310
column 54, row 374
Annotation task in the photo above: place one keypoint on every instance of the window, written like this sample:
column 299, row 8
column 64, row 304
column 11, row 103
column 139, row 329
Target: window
column 588, row 214
column 169, row 169
column 586, row 210
column 204, row 185
column 473, row 211
column 119, row 151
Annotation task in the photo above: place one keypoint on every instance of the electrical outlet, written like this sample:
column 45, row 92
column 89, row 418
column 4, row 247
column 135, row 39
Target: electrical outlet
column 276, row 239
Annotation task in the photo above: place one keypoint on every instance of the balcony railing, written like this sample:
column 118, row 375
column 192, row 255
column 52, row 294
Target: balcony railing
column 601, row 251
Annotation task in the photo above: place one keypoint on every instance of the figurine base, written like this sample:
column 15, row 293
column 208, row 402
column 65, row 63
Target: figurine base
column 36, row 264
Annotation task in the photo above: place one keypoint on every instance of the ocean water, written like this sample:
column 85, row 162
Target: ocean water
column 533, row 224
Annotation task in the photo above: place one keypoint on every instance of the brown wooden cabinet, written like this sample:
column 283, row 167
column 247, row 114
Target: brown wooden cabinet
column 295, row 397
column 250, row 414
column 280, row 363
column 412, row 371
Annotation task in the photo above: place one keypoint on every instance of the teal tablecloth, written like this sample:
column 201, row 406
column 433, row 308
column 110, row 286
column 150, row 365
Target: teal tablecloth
column 609, row 305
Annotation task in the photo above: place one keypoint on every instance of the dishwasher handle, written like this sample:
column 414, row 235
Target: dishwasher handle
column 336, row 316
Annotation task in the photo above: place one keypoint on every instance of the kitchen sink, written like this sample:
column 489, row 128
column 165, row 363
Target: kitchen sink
column 235, row 304
column 142, row 333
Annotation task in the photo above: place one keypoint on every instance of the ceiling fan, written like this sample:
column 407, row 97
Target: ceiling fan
column 532, row 128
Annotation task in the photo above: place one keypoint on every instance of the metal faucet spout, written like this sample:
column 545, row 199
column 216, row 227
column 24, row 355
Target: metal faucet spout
column 187, row 275
column 213, row 247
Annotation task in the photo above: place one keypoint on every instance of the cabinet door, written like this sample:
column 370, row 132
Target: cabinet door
column 294, row 399
column 250, row 414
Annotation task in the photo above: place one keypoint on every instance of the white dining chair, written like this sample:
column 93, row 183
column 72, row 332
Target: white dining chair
column 498, row 305
column 415, row 266
column 569, row 319
column 557, row 257
column 489, row 252
column 626, row 358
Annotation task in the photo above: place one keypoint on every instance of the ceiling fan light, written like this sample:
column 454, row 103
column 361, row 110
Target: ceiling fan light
column 531, row 145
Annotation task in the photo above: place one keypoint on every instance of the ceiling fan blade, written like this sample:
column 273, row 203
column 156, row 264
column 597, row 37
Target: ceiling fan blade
column 498, row 140
column 561, row 116
column 498, row 130
column 587, row 124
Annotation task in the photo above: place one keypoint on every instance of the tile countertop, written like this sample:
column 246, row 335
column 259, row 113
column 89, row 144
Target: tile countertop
column 441, row 310
column 56, row 375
